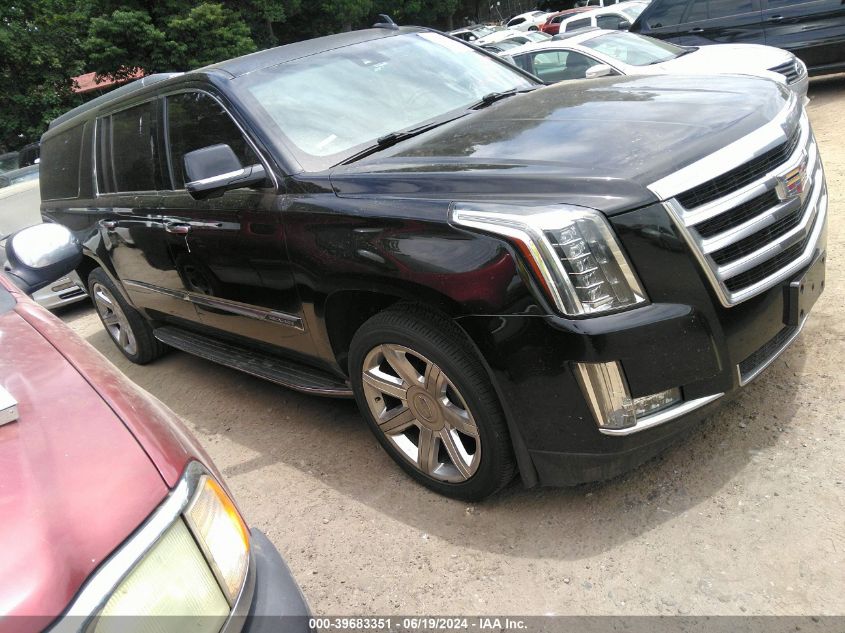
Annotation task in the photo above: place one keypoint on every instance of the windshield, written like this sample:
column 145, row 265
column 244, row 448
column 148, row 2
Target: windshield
column 333, row 104
column 632, row 11
column 632, row 49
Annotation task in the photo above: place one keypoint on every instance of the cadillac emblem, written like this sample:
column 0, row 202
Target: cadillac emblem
column 794, row 183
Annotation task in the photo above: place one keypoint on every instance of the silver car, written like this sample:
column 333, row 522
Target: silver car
column 20, row 206
column 592, row 53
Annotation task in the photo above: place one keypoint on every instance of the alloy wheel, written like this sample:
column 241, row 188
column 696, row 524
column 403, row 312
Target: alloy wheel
column 114, row 319
column 421, row 412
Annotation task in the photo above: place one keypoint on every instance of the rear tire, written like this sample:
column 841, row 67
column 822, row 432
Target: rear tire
column 128, row 329
column 430, row 403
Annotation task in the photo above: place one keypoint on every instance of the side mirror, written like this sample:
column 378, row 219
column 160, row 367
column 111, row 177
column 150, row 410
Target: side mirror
column 599, row 70
column 38, row 255
column 624, row 25
column 213, row 170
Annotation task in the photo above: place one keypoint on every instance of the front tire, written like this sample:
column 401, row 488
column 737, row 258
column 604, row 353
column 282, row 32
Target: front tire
column 128, row 329
column 428, row 400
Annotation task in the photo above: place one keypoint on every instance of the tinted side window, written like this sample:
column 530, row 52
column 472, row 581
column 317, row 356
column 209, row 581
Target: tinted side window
column 723, row 8
column 609, row 21
column 197, row 120
column 60, row 165
column 578, row 24
column 666, row 13
column 126, row 151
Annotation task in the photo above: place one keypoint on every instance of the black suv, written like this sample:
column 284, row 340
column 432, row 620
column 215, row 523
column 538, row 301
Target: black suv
column 814, row 30
column 507, row 276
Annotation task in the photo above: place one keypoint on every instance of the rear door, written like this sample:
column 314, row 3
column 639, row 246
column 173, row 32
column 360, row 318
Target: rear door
column 130, row 177
column 814, row 30
column 722, row 21
column 662, row 19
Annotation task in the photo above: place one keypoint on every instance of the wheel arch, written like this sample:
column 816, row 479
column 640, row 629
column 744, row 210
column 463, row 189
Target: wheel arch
column 348, row 310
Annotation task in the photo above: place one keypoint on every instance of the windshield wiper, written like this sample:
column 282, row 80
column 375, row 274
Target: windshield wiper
column 493, row 97
column 687, row 51
column 388, row 140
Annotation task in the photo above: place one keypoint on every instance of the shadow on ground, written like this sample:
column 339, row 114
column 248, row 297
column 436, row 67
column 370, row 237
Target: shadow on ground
column 327, row 439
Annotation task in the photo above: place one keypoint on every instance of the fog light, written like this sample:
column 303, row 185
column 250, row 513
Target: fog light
column 656, row 402
column 610, row 400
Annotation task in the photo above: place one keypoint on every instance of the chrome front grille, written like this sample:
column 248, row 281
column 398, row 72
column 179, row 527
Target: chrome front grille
column 759, row 222
column 793, row 70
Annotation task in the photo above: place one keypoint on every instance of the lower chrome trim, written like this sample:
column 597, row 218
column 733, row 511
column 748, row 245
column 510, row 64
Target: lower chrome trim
column 662, row 417
column 225, row 305
column 774, row 356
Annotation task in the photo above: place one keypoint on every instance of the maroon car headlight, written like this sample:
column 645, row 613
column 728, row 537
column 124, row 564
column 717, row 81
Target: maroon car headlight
column 187, row 566
column 571, row 250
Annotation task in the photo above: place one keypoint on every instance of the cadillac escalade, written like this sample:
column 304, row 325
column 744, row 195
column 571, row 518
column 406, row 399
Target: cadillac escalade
column 507, row 276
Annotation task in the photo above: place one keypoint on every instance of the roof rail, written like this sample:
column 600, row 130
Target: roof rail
column 124, row 90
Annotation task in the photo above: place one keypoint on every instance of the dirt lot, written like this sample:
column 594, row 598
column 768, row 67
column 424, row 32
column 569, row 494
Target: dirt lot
column 747, row 516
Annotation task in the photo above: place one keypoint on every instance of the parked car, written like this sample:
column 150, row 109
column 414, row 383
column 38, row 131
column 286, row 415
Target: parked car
column 514, row 36
column 20, row 175
column 30, row 155
column 530, row 21
column 473, row 33
column 617, row 17
column 814, row 30
column 8, row 162
column 396, row 216
column 552, row 24
column 596, row 3
column 111, row 506
column 20, row 207
column 588, row 54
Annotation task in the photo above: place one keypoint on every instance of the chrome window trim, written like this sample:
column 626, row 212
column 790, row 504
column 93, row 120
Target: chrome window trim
column 731, row 156
column 100, row 586
column 227, row 305
column 664, row 416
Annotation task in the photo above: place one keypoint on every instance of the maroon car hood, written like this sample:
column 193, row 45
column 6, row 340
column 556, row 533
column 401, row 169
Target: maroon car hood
column 74, row 482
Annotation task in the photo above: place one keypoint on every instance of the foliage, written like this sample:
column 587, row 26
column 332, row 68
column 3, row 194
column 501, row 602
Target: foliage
column 44, row 43
column 39, row 53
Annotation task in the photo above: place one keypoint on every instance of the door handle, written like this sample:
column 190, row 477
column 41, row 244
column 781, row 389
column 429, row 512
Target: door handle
column 108, row 224
column 696, row 30
column 776, row 18
column 177, row 228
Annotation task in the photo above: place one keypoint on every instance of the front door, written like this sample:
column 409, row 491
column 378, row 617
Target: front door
column 814, row 30
column 228, row 251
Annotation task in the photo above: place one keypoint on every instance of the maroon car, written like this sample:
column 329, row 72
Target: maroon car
column 552, row 23
column 108, row 506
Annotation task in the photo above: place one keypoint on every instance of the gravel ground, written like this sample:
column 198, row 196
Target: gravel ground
column 747, row 516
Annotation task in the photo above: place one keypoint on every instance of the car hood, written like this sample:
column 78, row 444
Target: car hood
column 597, row 143
column 74, row 483
column 740, row 58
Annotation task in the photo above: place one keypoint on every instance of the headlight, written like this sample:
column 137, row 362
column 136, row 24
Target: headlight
column 572, row 251
column 221, row 533
column 169, row 591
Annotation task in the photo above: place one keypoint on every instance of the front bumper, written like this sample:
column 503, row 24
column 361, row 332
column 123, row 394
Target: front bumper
column 685, row 339
column 276, row 602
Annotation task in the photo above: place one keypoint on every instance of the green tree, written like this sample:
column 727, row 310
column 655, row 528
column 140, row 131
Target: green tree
column 124, row 41
column 155, row 40
column 40, row 50
column 208, row 33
